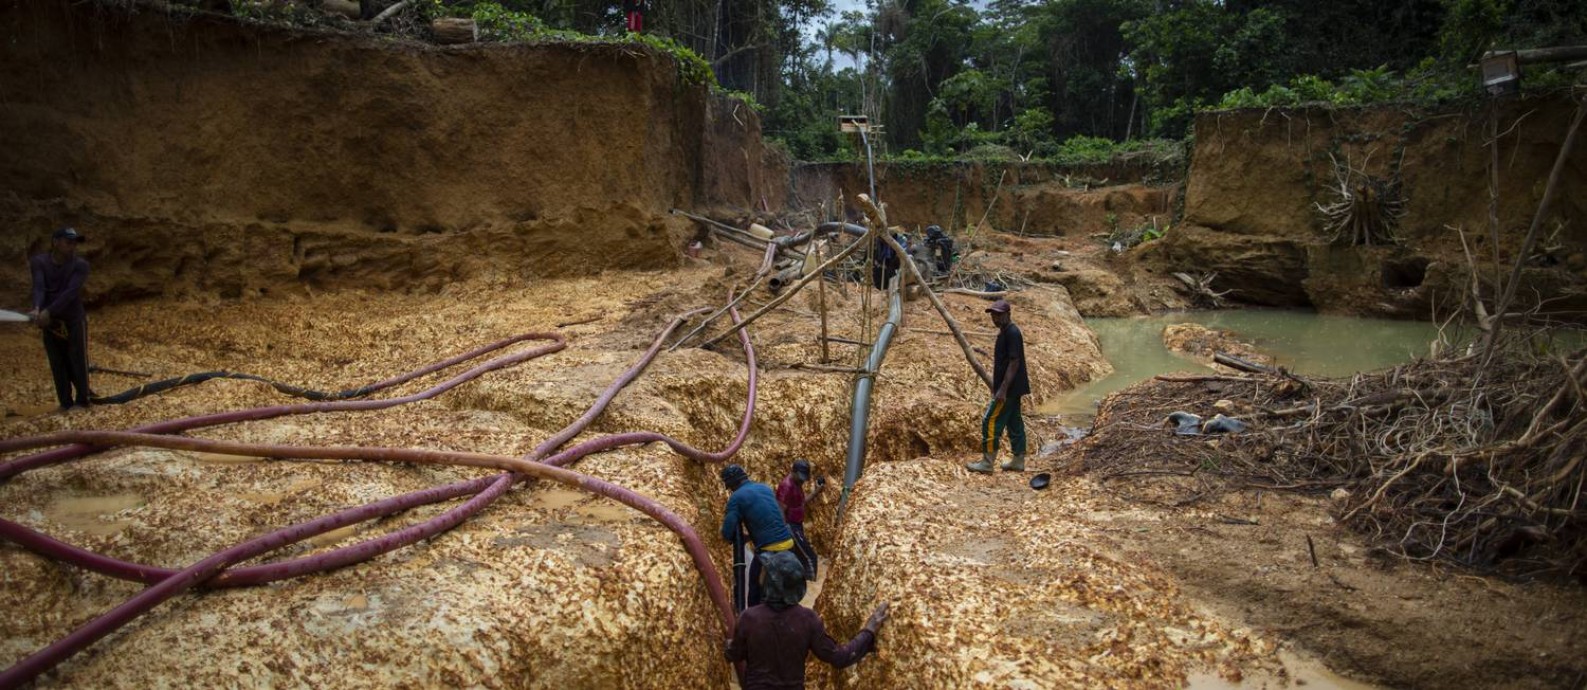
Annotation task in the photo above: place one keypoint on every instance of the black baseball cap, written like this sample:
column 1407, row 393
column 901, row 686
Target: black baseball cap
column 68, row 233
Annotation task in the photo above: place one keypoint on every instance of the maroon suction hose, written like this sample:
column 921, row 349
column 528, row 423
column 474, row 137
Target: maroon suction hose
column 59, row 455
column 47, row 658
column 171, row 583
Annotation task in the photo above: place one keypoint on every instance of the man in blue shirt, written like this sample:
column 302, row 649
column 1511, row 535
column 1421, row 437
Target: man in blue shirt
column 1009, row 384
column 752, row 506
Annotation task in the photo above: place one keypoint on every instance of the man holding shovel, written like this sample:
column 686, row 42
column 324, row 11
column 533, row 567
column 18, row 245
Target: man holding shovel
column 58, row 278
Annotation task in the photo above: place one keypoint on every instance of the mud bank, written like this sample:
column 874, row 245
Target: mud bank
column 1256, row 177
column 1031, row 198
column 206, row 155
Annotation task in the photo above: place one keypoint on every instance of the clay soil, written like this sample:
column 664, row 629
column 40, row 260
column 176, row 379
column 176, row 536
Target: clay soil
column 1094, row 582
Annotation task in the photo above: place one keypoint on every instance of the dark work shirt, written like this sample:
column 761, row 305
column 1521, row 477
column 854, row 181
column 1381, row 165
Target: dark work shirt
column 774, row 643
column 58, row 287
column 756, row 507
column 1010, row 346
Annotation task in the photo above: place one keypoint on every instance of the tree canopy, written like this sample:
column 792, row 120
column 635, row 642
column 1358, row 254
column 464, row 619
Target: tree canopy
column 947, row 77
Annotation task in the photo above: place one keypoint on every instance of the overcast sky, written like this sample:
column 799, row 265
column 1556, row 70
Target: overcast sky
column 841, row 6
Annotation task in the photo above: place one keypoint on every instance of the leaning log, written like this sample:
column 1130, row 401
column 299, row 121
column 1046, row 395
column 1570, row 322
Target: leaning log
column 453, row 30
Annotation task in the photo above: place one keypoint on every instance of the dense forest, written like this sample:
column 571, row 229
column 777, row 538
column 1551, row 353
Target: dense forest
column 1040, row 78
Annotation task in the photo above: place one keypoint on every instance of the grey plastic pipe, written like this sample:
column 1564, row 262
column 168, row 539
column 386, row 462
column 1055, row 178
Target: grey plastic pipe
column 860, row 411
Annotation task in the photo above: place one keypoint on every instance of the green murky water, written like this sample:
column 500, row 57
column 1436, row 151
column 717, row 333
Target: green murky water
column 1313, row 344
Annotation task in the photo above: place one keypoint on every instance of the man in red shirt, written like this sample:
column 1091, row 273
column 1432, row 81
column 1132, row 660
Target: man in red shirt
column 791, row 496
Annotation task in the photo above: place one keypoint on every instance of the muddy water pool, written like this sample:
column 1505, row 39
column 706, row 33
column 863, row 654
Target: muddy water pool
column 1306, row 343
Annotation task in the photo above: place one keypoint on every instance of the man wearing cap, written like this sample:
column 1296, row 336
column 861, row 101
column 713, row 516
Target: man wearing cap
column 752, row 506
column 774, row 638
column 791, row 496
column 58, row 278
column 1009, row 383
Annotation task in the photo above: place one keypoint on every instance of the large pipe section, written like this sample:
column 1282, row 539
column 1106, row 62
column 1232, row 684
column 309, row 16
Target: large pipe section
column 860, row 410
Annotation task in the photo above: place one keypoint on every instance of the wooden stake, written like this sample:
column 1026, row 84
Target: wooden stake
column 826, row 354
column 795, row 288
column 964, row 344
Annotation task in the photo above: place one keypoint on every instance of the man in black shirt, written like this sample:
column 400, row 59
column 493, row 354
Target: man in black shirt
column 58, row 278
column 1009, row 383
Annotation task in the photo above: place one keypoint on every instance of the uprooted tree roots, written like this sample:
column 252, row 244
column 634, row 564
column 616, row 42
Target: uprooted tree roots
column 1449, row 459
column 1366, row 210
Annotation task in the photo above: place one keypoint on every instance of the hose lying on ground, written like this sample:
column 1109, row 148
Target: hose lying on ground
column 297, row 391
column 59, row 455
column 486, row 488
column 169, row 583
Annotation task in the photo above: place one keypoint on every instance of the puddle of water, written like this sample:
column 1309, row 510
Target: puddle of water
column 1301, row 672
column 31, row 410
column 89, row 514
column 555, row 498
column 1306, row 343
column 606, row 510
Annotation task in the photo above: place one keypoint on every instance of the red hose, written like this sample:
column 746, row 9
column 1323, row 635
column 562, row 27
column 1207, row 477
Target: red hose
column 175, row 582
column 492, row 487
column 59, row 455
column 47, row 658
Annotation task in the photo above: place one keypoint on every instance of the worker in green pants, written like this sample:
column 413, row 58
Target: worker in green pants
column 1009, row 383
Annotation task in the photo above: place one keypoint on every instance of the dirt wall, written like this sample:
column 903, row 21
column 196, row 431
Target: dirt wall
column 1257, row 176
column 200, row 153
column 1033, row 198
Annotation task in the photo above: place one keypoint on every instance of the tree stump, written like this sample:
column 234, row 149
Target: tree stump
column 451, row 30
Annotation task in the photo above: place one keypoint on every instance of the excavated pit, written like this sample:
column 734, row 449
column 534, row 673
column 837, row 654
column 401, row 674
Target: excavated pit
column 550, row 587
column 329, row 210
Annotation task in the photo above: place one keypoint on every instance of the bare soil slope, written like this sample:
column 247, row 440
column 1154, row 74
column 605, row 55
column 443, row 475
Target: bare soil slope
column 207, row 155
column 1256, row 176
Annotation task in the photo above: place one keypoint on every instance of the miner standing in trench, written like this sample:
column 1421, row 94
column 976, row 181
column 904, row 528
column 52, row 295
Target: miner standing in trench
column 752, row 506
column 774, row 638
column 58, row 278
column 791, row 496
column 1009, row 383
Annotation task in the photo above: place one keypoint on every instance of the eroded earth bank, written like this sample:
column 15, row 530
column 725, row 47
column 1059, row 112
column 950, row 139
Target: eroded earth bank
column 329, row 211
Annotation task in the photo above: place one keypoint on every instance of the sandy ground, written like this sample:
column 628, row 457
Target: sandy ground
column 1089, row 583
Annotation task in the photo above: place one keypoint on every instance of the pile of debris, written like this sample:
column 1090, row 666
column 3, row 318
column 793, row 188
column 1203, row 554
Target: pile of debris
column 1469, row 459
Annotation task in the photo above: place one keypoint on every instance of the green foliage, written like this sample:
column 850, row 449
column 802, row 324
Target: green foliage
column 1426, row 84
column 1033, row 131
column 276, row 12
column 1084, row 149
column 1470, row 27
column 497, row 23
column 1126, row 238
column 692, row 68
column 746, row 98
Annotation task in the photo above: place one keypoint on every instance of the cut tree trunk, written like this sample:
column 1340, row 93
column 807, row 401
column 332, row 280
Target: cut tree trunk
column 452, row 30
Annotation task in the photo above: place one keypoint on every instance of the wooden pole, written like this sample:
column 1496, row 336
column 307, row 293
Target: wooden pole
column 1537, row 224
column 958, row 335
column 826, row 354
column 793, row 289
